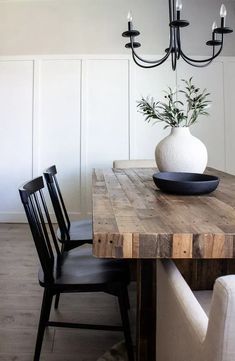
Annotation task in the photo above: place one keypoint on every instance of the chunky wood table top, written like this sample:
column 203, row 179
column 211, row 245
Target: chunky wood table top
column 133, row 219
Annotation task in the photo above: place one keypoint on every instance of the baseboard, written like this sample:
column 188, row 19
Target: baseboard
column 21, row 218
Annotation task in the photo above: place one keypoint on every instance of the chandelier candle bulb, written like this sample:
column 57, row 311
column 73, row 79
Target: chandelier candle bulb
column 129, row 19
column 223, row 13
column 179, row 5
column 129, row 16
column 178, row 8
column 214, row 26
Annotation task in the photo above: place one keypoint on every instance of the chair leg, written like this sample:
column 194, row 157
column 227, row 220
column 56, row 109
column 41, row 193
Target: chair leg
column 126, row 324
column 44, row 317
column 57, row 299
column 66, row 246
column 127, row 299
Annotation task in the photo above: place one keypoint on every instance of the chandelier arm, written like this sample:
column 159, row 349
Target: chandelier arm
column 178, row 42
column 190, row 62
column 173, row 60
column 174, row 54
column 178, row 39
column 146, row 66
column 203, row 60
column 196, row 64
column 156, row 62
column 171, row 10
column 184, row 56
column 159, row 61
column 178, row 52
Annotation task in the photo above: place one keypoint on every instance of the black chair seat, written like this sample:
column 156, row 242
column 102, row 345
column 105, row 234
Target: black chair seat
column 79, row 267
column 78, row 231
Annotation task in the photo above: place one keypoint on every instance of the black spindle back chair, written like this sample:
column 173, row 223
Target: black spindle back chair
column 71, row 271
column 70, row 234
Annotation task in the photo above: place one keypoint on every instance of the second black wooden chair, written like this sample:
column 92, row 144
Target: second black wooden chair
column 70, row 233
column 70, row 271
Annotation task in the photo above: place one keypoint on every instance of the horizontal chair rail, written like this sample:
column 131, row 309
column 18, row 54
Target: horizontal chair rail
column 84, row 326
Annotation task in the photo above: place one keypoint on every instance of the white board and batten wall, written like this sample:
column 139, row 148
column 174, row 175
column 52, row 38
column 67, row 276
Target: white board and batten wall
column 79, row 112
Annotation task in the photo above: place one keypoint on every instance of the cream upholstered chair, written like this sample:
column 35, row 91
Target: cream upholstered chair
column 134, row 163
column 184, row 331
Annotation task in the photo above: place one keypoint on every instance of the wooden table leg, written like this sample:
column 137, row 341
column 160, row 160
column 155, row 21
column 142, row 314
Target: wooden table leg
column 146, row 310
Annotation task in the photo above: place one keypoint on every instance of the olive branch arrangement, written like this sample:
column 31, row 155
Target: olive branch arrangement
column 175, row 112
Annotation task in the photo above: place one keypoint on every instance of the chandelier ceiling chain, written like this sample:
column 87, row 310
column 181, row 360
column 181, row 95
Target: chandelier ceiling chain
column 175, row 50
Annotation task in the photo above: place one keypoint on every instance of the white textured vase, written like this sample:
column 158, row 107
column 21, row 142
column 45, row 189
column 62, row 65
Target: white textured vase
column 181, row 152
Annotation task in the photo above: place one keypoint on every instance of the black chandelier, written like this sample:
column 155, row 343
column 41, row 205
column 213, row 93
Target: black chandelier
column 175, row 50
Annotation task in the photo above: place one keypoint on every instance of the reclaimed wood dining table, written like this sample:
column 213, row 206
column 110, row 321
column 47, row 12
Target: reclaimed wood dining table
column 132, row 219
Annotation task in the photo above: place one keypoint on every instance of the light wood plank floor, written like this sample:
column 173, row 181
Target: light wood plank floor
column 20, row 302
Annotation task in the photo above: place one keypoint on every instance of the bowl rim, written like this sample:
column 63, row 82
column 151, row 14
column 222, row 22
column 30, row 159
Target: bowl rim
column 213, row 177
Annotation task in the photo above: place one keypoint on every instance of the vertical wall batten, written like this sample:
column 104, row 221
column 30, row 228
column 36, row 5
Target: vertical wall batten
column 36, row 117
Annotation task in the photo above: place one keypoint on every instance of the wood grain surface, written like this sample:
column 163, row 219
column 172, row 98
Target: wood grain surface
column 133, row 219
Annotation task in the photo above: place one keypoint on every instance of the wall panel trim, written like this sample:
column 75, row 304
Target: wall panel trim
column 131, row 126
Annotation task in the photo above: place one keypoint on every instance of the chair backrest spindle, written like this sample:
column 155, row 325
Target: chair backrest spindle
column 43, row 226
column 62, row 202
column 58, row 202
column 49, row 223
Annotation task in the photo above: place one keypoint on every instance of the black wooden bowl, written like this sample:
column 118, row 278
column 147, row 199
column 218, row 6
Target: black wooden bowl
column 185, row 183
